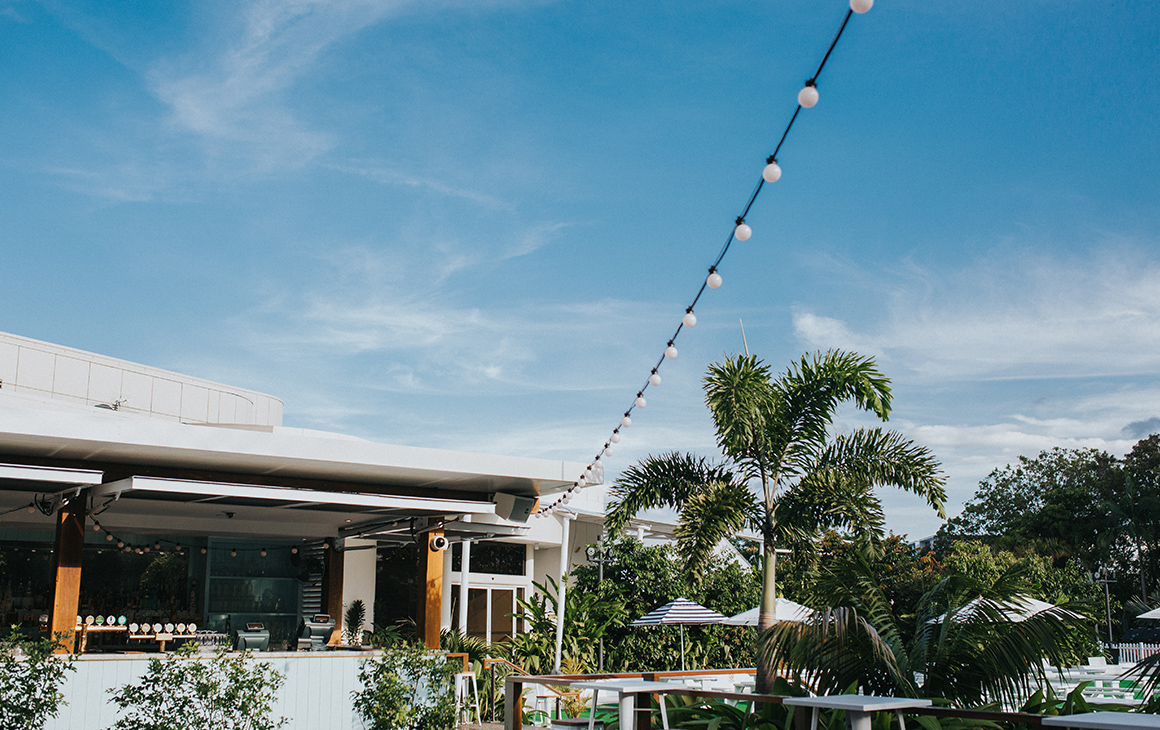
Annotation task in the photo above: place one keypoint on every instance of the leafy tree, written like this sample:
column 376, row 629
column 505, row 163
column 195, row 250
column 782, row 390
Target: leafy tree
column 407, row 687
column 185, row 691
column 952, row 646
column 1054, row 503
column 30, row 680
column 641, row 577
column 776, row 435
column 1075, row 504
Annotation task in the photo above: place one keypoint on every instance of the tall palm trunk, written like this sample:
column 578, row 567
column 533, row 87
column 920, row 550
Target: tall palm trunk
column 767, row 616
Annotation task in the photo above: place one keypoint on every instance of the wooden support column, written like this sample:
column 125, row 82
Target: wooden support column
column 429, row 612
column 70, row 546
column 334, row 562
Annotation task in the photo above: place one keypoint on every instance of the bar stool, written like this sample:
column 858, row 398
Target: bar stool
column 465, row 681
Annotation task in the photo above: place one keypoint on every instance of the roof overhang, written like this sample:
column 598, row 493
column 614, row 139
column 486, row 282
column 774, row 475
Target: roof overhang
column 153, row 506
column 132, row 444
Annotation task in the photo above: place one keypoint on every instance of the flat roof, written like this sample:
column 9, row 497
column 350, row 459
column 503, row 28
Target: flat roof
column 76, row 438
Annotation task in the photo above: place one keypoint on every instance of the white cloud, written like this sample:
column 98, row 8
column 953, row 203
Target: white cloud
column 1023, row 316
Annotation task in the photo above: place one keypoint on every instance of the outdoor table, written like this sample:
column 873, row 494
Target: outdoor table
column 626, row 690
column 1104, row 720
column 858, row 707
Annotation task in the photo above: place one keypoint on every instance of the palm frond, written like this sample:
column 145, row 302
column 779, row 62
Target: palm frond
column 741, row 401
column 875, row 457
column 668, row 480
column 809, row 393
column 720, row 510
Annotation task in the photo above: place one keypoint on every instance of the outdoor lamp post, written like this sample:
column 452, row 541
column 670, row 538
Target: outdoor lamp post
column 1104, row 576
column 599, row 553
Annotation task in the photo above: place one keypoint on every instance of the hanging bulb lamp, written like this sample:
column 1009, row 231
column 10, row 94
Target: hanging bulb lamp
column 714, row 280
column 771, row 173
column 808, row 96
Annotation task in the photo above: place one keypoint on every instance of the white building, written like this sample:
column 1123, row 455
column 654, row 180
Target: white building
column 130, row 491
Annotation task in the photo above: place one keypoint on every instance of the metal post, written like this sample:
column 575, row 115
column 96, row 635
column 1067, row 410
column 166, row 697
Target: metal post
column 464, row 581
column 560, row 598
column 1104, row 576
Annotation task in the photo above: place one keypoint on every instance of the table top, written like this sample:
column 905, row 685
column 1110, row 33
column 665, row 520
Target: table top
column 623, row 686
column 858, row 703
column 1104, row 720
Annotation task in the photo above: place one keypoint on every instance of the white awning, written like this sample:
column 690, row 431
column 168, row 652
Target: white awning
column 48, row 475
column 149, row 505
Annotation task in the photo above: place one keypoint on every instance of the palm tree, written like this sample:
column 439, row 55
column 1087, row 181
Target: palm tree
column 786, row 477
column 967, row 641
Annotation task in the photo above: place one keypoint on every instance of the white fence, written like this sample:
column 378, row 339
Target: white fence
column 315, row 696
column 1132, row 653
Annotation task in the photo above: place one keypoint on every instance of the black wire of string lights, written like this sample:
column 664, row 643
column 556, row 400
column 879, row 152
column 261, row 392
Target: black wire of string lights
column 771, row 173
column 159, row 545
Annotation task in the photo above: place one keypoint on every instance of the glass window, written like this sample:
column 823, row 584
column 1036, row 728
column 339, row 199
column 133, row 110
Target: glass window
column 500, row 558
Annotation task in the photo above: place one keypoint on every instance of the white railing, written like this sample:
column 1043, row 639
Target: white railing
column 1135, row 652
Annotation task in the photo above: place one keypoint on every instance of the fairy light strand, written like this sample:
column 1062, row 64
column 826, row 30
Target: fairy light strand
column 741, row 231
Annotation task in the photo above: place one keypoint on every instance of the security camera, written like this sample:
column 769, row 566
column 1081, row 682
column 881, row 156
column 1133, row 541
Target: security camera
column 439, row 542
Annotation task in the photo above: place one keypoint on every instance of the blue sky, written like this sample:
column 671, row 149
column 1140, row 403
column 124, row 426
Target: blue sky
column 473, row 225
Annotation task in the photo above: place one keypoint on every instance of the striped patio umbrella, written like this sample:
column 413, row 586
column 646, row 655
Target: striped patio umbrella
column 679, row 612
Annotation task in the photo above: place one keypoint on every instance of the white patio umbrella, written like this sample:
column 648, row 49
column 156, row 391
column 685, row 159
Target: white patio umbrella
column 787, row 610
column 1154, row 613
column 1019, row 608
column 679, row 612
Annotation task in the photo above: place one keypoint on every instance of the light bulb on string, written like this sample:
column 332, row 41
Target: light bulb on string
column 607, row 451
column 772, row 171
column 108, row 537
column 641, row 402
column 581, row 482
column 714, row 280
column 742, row 232
column 293, row 551
column 625, row 422
column 808, row 96
column 263, row 553
column 654, row 379
column 120, row 543
column 670, row 353
column 689, row 320
column 861, row 6
column 96, row 527
column 614, row 438
column 234, row 553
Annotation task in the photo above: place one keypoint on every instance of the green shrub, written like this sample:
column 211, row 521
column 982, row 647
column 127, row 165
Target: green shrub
column 185, row 691
column 407, row 688
column 30, row 681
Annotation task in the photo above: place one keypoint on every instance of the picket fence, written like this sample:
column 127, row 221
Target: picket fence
column 1132, row 653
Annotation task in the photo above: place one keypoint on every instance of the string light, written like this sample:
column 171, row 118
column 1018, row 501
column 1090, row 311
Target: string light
column 808, row 96
column 771, row 173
